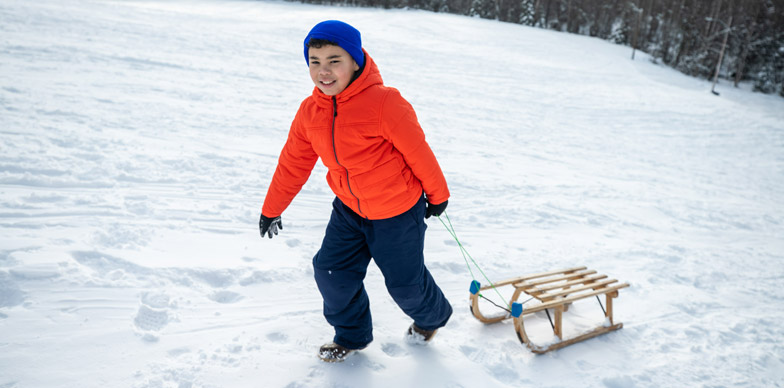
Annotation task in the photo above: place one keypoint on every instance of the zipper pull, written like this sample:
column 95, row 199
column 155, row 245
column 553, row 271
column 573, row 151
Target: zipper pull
column 334, row 107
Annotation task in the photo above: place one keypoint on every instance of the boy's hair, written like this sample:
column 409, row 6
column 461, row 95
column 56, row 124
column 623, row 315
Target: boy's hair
column 319, row 43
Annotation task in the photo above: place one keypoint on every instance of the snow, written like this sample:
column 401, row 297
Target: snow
column 138, row 138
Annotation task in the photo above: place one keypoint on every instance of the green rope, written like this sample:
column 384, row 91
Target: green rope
column 467, row 256
column 463, row 251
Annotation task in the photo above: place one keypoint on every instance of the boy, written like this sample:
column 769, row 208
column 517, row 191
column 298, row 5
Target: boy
column 386, row 181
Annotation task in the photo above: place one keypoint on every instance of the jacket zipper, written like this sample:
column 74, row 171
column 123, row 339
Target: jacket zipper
column 335, row 150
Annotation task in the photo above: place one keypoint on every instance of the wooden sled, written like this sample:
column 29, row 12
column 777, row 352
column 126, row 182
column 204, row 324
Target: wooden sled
column 555, row 290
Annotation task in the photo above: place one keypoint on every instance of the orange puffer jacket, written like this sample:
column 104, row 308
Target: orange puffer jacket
column 369, row 138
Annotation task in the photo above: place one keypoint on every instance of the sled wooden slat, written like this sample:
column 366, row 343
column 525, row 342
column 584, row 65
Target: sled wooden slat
column 590, row 286
column 568, row 276
column 529, row 277
column 555, row 290
column 536, row 290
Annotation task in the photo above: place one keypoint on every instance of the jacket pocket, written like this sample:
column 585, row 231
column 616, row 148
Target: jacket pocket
column 335, row 181
column 385, row 180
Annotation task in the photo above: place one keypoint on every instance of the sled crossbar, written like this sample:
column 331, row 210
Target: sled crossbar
column 554, row 290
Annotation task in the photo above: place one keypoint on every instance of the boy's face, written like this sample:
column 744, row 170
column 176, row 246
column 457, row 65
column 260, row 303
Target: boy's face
column 331, row 68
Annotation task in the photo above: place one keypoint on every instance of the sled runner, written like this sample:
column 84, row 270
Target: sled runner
column 554, row 290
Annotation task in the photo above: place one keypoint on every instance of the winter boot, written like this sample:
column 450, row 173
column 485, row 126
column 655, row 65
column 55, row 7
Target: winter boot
column 419, row 336
column 333, row 352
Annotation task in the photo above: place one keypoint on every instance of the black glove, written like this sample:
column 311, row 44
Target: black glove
column 435, row 210
column 269, row 226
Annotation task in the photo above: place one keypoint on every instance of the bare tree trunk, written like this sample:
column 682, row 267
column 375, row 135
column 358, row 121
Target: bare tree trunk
column 685, row 46
column 651, row 21
column 741, row 64
column 713, row 15
column 537, row 14
column 670, row 24
column 636, row 30
column 676, row 23
column 721, row 56
column 547, row 7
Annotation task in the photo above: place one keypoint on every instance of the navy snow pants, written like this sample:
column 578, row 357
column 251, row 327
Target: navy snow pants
column 397, row 246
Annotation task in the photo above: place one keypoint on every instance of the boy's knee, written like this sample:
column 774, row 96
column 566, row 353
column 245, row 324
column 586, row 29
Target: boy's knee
column 338, row 288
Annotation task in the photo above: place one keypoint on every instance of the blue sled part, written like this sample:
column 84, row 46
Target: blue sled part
column 474, row 287
column 517, row 309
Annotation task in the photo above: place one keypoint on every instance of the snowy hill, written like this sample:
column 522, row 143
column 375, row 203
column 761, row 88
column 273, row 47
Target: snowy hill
column 138, row 138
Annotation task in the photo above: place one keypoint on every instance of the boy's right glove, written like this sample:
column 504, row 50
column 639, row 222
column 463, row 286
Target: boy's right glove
column 269, row 226
column 435, row 210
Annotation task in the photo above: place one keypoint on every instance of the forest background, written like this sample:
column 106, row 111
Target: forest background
column 743, row 39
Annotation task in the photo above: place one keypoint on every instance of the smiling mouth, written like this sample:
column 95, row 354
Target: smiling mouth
column 327, row 83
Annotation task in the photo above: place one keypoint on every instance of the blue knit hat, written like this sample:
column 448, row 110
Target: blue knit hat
column 347, row 37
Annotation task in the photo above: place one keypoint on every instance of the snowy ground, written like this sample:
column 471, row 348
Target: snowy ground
column 138, row 137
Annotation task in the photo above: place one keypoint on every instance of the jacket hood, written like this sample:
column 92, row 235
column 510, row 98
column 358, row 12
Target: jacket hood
column 370, row 76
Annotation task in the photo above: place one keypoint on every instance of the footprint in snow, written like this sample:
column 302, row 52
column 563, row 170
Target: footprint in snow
column 10, row 293
column 151, row 319
column 277, row 337
column 176, row 352
column 225, row 297
column 469, row 351
column 393, row 350
column 492, row 362
column 503, row 372
column 152, row 316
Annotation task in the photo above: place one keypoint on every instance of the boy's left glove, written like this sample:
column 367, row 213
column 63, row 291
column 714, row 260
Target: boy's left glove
column 435, row 210
column 269, row 226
